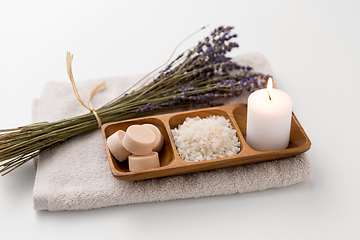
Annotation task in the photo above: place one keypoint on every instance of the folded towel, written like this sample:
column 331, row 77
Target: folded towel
column 76, row 175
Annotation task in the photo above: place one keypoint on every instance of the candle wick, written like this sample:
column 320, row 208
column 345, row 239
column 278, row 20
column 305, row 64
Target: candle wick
column 269, row 94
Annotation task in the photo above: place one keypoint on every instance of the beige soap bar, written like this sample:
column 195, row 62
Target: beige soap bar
column 139, row 140
column 116, row 147
column 145, row 162
column 159, row 139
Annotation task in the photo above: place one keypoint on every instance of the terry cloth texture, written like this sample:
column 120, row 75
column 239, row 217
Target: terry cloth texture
column 76, row 175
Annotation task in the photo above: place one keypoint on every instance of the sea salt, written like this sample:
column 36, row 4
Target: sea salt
column 199, row 139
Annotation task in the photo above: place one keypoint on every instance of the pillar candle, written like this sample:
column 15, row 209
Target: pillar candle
column 268, row 119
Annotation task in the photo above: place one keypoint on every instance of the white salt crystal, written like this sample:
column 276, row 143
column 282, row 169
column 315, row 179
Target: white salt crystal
column 205, row 139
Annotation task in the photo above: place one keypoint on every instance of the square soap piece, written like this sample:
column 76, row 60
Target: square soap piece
column 143, row 162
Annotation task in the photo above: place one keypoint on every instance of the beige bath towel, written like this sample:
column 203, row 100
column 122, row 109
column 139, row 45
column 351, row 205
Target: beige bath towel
column 76, row 175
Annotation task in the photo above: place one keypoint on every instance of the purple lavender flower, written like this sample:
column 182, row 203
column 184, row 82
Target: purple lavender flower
column 205, row 73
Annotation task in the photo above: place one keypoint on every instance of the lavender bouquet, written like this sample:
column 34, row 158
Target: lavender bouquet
column 195, row 78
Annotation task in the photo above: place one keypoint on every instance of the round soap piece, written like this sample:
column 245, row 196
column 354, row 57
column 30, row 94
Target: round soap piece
column 116, row 147
column 144, row 162
column 159, row 139
column 139, row 140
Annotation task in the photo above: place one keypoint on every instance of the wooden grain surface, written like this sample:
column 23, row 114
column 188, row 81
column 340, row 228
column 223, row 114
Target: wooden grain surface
column 172, row 164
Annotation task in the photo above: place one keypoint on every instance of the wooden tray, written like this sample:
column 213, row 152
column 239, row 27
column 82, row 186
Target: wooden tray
column 172, row 164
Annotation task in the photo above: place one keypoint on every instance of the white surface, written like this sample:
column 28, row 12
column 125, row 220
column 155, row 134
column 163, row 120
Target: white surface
column 314, row 50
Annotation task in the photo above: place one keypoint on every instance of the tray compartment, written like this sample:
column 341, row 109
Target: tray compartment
column 298, row 138
column 166, row 155
column 179, row 118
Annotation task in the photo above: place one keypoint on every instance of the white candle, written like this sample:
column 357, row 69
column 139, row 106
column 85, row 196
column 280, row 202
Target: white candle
column 268, row 119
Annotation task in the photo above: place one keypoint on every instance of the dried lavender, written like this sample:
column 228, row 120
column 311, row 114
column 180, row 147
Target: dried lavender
column 195, row 78
column 202, row 75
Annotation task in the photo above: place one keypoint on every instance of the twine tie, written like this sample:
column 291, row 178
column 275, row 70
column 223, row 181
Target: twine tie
column 69, row 58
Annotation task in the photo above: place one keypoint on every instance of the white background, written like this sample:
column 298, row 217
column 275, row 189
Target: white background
column 314, row 50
